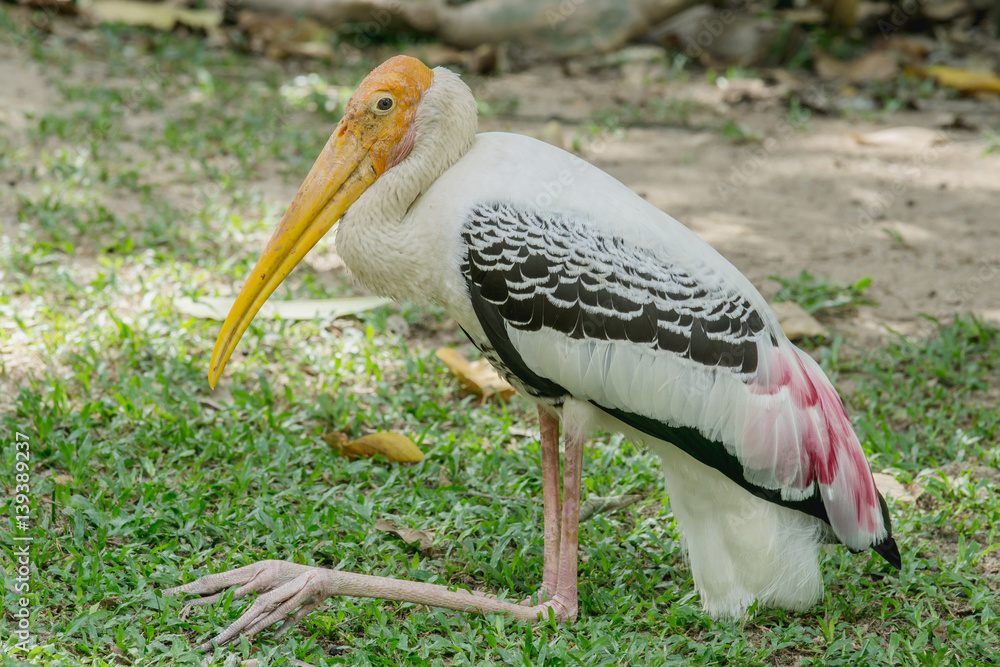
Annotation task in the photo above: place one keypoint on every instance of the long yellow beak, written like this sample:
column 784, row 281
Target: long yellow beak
column 341, row 173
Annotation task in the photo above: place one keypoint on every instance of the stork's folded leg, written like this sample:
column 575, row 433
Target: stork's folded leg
column 288, row 591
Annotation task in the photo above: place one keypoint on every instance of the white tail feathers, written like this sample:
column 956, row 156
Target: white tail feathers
column 742, row 549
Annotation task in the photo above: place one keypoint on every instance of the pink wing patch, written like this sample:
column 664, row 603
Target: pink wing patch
column 797, row 433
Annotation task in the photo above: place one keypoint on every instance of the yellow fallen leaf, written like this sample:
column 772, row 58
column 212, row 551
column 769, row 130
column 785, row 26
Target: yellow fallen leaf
column 963, row 80
column 159, row 16
column 424, row 539
column 393, row 446
column 63, row 479
column 478, row 376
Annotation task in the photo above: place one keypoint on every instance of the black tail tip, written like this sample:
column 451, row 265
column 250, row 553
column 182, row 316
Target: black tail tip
column 888, row 550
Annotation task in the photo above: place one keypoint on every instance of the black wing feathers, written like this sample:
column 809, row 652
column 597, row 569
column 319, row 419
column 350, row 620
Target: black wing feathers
column 549, row 272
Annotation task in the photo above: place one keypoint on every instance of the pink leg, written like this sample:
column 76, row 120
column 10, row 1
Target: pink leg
column 566, row 593
column 549, row 427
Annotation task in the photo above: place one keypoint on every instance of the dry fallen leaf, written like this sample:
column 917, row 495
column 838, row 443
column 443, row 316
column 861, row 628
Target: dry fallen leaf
column 159, row 16
column 913, row 138
column 283, row 36
column 393, row 446
column 797, row 323
column 424, row 539
column 220, row 398
column 890, row 487
column 807, row 15
column 963, row 80
column 598, row 504
column 63, row 479
column 216, row 308
column 874, row 66
column 477, row 376
column 946, row 10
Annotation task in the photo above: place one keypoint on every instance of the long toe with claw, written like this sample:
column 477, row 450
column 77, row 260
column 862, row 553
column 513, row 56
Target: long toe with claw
column 286, row 591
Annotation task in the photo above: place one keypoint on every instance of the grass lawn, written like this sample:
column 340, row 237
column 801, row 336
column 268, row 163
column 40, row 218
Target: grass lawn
column 141, row 183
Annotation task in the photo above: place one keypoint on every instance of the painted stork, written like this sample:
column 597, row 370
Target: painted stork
column 605, row 312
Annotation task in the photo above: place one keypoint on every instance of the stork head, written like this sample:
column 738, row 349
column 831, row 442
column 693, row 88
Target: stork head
column 375, row 134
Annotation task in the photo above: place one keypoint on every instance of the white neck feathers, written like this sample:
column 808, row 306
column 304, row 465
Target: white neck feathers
column 372, row 239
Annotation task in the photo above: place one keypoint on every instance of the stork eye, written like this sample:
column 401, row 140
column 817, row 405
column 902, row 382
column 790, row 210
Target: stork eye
column 384, row 104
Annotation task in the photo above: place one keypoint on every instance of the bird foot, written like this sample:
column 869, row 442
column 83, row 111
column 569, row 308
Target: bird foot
column 288, row 592
column 285, row 590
